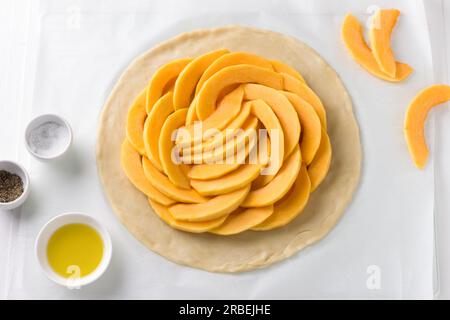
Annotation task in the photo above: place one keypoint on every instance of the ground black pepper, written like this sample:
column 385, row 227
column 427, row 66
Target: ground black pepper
column 11, row 186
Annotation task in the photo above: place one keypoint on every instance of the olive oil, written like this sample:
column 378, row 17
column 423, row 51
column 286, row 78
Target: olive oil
column 74, row 249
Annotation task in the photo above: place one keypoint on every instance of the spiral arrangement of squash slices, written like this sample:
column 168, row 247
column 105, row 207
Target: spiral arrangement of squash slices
column 226, row 91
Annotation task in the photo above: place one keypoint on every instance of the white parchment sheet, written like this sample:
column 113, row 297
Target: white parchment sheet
column 381, row 248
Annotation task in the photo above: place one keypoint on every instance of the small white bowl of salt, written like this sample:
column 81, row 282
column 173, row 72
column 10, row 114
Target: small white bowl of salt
column 48, row 136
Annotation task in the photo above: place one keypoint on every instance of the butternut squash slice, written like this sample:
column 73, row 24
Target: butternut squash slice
column 311, row 134
column 310, row 124
column 279, row 186
column 238, row 178
column 264, row 179
column 162, row 78
column 211, row 171
column 261, row 181
column 288, row 208
column 380, row 39
column 303, row 91
column 281, row 67
column 416, row 116
column 189, row 77
column 191, row 116
column 240, row 130
column 242, row 220
column 193, row 146
column 217, row 170
column 234, row 140
column 238, row 74
column 218, row 206
column 153, row 125
column 232, row 59
column 283, row 109
column 194, row 227
column 130, row 161
column 173, row 170
column 353, row 38
column 275, row 131
column 228, row 108
column 135, row 123
column 163, row 184
column 319, row 167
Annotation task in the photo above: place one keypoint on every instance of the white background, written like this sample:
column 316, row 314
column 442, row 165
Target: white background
column 15, row 43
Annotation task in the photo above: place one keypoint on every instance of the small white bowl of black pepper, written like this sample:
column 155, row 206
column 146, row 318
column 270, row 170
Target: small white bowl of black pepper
column 14, row 185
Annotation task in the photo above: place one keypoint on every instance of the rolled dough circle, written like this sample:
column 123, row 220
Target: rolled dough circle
column 250, row 249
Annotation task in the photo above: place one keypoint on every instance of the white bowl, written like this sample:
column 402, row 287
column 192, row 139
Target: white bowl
column 14, row 167
column 39, row 120
column 47, row 231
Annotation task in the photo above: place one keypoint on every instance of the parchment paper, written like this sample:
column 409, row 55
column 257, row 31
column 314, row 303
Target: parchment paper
column 387, row 232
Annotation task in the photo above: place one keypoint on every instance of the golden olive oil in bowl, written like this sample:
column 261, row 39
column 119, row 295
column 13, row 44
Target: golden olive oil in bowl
column 75, row 249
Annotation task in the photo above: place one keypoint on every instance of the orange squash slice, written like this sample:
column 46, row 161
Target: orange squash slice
column 243, row 219
column 353, row 38
column 318, row 168
column 281, row 67
column 380, row 39
column 299, row 88
column 232, row 59
column 153, row 125
column 172, row 169
column 135, row 122
column 283, row 110
column 310, row 122
column 162, row 78
column 214, row 208
column 165, row 186
column 279, row 186
column 130, row 160
column 416, row 116
column 238, row 74
column 288, row 208
column 194, row 227
column 189, row 77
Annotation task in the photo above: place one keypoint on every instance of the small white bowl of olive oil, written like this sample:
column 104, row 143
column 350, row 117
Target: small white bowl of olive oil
column 73, row 249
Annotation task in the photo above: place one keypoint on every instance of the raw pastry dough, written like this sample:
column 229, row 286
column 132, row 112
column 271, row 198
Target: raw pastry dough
column 250, row 249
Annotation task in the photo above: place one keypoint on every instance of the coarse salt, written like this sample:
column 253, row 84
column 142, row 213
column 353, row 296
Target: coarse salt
column 48, row 139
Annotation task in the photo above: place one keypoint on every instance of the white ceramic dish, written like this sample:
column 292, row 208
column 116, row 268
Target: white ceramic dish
column 39, row 120
column 46, row 232
column 14, row 167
